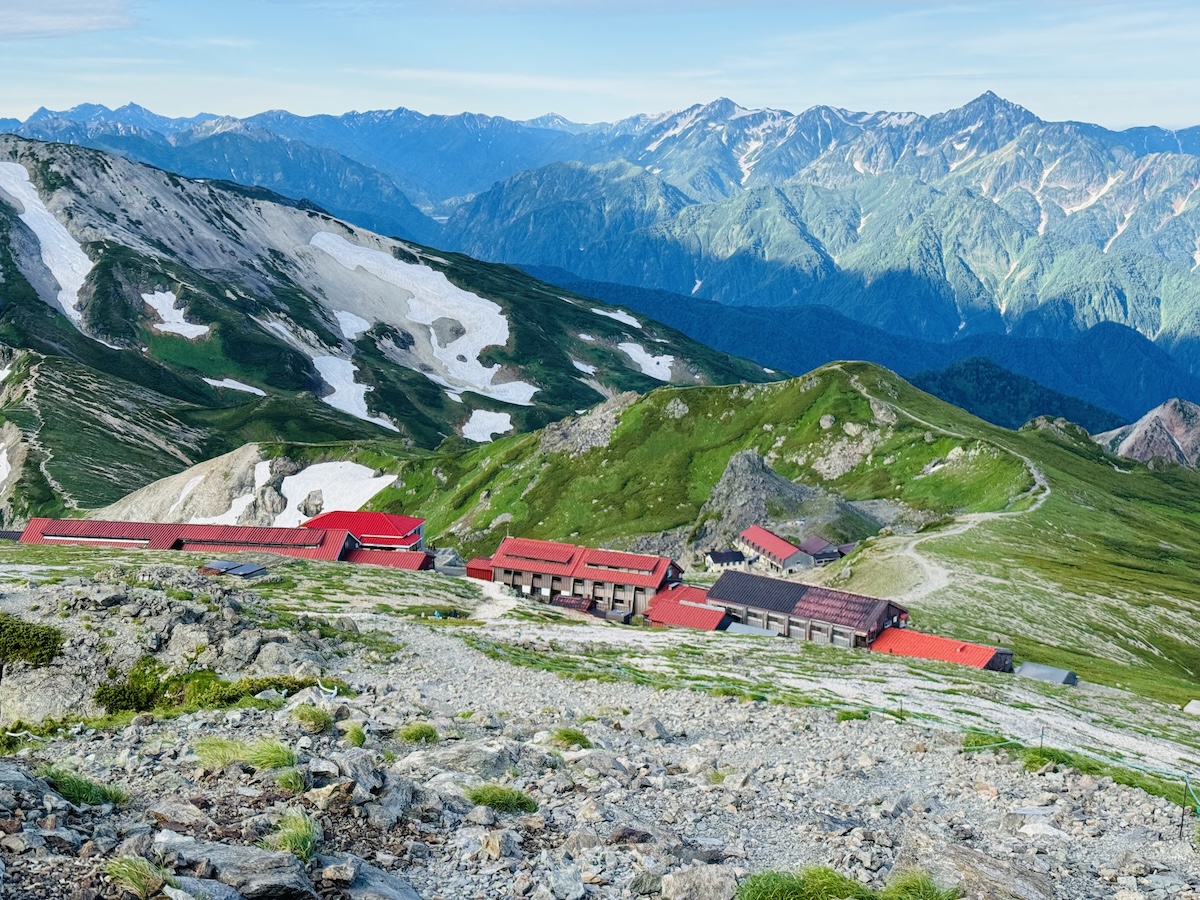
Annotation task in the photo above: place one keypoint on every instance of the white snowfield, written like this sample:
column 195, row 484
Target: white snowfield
column 586, row 337
column 343, row 485
column 348, row 395
column 620, row 315
column 4, row 373
column 352, row 326
column 483, row 424
column 583, row 367
column 5, row 465
column 166, row 304
column 431, row 297
column 236, row 386
column 60, row 252
column 655, row 366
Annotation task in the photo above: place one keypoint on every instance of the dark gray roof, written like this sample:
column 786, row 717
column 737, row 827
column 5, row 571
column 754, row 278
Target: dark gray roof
column 726, row 557
column 804, row 601
column 758, row 591
column 814, row 544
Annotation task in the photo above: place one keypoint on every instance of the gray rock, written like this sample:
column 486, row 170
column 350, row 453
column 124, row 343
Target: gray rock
column 201, row 888
column 487, row 759
column 651, row 728
column 566, row 883
column 644, row 883
column 173, row 811
column 255, row 873
column 394, row 800
column 700, row 883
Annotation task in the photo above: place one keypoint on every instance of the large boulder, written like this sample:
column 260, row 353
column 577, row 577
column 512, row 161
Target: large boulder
column 700, row 883
column 487, row 759
column 254, row 873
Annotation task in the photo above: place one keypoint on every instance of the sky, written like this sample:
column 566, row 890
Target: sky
column 1117, row 64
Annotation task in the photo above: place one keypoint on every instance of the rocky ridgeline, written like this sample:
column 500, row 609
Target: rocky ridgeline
column 679, row 796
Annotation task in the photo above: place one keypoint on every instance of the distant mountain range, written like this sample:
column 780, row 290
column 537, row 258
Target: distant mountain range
column 984, row 223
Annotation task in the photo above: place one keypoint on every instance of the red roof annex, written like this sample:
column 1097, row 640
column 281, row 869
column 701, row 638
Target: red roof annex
column 906, row 642
column 412, row 560
column 768, row 542
column 683, row 606
column 372, row 529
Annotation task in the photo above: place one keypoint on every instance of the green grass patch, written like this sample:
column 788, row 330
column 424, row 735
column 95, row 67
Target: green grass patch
column 570, row 738
column 21, row 641
column 270, row 754
column 291, row 780
column 78, row 790
column 820, row 883
column 312, row 719
column 501, row 799
column 419, row 733
column 853, row 715
column 139, row 877
column 296, row 833
column 356, row 736
column 215, row 753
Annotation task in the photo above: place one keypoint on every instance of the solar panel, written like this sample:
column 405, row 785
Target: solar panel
column 220, row 565
column 247, row 570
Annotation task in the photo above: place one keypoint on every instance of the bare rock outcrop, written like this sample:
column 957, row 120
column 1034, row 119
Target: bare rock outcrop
column 1168, row 433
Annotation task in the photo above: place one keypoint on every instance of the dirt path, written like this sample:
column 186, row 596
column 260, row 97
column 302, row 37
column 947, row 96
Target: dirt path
column 935, row 575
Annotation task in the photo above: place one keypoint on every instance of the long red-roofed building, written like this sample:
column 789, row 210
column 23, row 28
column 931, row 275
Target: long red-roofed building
column 614, row 579
column 305, row 543
column 906, row 642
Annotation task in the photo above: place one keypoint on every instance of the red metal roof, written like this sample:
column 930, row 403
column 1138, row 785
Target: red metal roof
column 665, row 611
column 570, row 561
column 768, row 543
column 251, row 535
column 683, row 593
column 88, row 531
column 906, row 642
column 372, row 528
column 412, row 560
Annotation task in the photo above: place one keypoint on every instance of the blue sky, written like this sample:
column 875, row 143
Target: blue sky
column 1117, row 64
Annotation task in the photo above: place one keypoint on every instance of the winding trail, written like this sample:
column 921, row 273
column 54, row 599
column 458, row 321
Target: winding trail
column 935, row 575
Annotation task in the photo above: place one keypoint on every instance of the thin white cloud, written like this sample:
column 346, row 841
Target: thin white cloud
column 53, row 18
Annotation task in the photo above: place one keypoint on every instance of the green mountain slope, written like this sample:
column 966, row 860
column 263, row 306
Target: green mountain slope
column 221, row 314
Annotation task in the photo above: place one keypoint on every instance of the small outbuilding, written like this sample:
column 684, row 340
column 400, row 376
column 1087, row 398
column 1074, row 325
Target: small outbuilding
column 725, row 560
column 1049, row 674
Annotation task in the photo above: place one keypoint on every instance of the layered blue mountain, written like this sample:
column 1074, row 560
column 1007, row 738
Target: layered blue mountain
column 971, row 231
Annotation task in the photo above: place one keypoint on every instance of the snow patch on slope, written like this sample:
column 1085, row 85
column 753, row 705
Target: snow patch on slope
column 192, row 484
column 583, row 367
column 348, row 395
column 483, row 424
column 655, row 366
column 343, row 486
column 352, row 326
column 60, row 252
column 5, row 465
column 620, row 315
column 166, row 304
column 236, row 386
column 431, row 298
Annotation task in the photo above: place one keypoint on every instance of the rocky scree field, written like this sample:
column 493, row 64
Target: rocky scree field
column 419, row 763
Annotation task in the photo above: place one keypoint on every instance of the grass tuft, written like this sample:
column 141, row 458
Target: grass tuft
column 419, row 733
column 215, row 753
column 820, row 883
column 853, row 715
column 312, row 719
column 501, row 799
column 913, row 884
column 138, row 877
column 269, row 754
column 296, row 833
column 569, row 738
column 78, row 790
column 291, row 780
column 355, row 735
